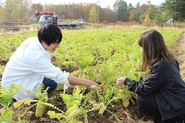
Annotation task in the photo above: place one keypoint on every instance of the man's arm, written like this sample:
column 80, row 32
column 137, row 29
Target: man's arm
column 78, row 81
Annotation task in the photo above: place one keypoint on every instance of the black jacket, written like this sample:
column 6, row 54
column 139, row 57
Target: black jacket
column 165, row 82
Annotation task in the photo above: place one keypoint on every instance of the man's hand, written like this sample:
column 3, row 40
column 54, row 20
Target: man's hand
column 53, row 58
column 120, row 81
column 78, row 81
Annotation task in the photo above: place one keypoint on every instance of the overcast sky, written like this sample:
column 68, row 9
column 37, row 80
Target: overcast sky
column 103, row 3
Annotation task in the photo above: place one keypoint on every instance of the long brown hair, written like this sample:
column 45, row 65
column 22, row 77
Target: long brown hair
column 154, row 48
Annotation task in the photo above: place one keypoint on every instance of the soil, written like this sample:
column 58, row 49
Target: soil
column 179, row 52
column 132, row 114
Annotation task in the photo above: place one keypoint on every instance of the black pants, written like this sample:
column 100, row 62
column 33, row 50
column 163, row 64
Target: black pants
column 149, row 104
column 50, row 84
column 178, row 119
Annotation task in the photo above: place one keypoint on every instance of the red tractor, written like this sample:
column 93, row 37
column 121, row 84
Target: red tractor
column 43, row 13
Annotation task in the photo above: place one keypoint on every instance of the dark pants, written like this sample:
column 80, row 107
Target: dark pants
column 178, row 119
column 49, row 83
column 149, row 104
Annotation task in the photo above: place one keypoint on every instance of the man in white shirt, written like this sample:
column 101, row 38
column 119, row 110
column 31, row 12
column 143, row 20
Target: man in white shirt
column 30, row 65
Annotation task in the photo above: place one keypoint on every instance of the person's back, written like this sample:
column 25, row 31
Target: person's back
column 20, row 68
column 169, row 88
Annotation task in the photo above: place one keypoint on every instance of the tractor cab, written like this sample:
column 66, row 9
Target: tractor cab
column 46, row 17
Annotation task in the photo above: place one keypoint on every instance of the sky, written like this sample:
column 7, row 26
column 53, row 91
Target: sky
column 103, row 3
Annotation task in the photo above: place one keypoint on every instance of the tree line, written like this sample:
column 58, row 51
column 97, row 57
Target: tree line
column 24, row 11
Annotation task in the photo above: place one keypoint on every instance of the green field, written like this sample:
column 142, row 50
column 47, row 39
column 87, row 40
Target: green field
column 97, row 54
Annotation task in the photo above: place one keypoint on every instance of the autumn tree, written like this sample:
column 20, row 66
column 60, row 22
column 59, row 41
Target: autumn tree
column 153, row 13
column 93, row 16
column 24, row 10
column 85, row 8
column 133, row 15
column 11, row 9
column 106, row 15
column 3, row 15
column 17, row 9
column 33, row 9
column 165, row 16
column 36, row 7
column 147, row 20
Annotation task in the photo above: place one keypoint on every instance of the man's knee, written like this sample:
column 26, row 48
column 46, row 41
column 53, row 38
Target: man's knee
column 50, row 84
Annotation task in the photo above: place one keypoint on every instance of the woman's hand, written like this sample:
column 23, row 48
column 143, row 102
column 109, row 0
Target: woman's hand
column 120, row 81
column 53, row 58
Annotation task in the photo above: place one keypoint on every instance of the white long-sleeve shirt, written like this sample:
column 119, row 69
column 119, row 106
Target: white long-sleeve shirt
column 28, row 66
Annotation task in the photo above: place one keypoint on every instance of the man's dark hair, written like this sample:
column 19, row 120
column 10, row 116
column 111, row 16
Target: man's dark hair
column 50, row 33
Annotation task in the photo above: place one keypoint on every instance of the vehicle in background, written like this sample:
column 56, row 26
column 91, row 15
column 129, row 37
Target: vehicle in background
column 79, row 21
column 171, row 20
column 49, row 17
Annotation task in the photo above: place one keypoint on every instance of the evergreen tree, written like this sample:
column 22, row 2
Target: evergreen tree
column 176, row 8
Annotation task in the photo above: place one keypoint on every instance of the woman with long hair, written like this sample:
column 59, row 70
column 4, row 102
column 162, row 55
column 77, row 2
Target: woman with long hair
column 162, row 94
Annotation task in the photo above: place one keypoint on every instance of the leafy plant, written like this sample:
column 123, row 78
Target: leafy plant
column 6, row 96
column 84, row 61
column 105, row 96
column 2, row 67
column 41, row 97
column 106, row 72
column 77, row 104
